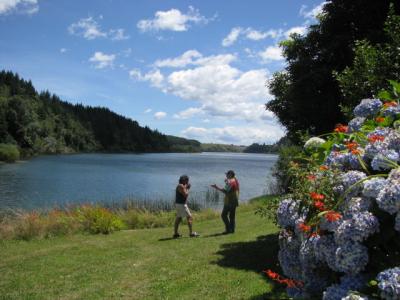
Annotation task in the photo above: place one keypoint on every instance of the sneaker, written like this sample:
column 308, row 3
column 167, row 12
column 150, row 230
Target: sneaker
column 194, row 234
column 176, row 236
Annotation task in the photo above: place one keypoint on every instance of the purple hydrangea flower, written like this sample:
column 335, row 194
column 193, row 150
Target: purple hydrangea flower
column 288, row 213
column 373, row 186
column 389, row 283
column 351, row 258
column 385, row 160
column 397, row 222
column 392, row 111
column 355, row 124
column 356, row 205
column 368, row 107
column 356, row 229
column 389, row 197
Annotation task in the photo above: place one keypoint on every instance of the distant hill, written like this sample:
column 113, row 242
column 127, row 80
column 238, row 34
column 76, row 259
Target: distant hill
column 210, row 147
column 35, row 123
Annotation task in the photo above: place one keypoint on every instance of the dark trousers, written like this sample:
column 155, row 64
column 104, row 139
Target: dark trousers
column 228, row 216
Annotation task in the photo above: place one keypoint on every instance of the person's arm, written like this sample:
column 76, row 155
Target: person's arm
column 183, row 190
column 218, row 188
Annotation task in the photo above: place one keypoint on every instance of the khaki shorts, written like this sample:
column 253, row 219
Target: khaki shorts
column 182, row 210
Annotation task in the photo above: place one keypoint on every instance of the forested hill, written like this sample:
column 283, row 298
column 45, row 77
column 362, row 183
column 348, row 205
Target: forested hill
column 34, row 123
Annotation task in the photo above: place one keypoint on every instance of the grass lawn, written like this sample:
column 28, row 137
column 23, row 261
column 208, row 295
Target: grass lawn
column 146, row 264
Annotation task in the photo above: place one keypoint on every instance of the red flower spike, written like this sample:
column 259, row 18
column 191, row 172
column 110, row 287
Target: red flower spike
column 351, row 145
column 319, row 205
column 390, row 104
column 317, row 197
column 323, row 168
column 376, row 138
column 355, row 152
column 289, row 282
column 305, row 228
column 379, row 119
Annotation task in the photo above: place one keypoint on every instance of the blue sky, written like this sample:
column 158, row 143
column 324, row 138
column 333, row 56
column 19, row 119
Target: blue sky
column 195, row 69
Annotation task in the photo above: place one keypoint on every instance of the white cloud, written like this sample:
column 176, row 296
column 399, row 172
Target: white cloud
column 160, row 115
column 173, row 20
column 63, row 50
column 219, row 89
column 178, row 62
column 155, row 77
column 19, row 6
column 101, row 60
column 149, row 110
column 243, row 135
column 250, row 34
column 118, row 34
column 312, row 13
column 271, row 53
column 90, row 29
column 298, row 29
column 232, row 36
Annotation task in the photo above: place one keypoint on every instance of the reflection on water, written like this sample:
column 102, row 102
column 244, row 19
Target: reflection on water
column 50, row 180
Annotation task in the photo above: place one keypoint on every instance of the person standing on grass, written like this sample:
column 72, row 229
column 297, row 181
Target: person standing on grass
column 231, row 201
column 182, row 209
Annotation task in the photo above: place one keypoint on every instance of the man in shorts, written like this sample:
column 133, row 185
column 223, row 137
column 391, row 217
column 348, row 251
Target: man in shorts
column 182, row 209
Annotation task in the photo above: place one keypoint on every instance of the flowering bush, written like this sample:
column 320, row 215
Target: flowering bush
column 340, row 223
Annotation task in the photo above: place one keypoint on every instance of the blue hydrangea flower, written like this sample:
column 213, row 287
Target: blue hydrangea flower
column 389, row 283
column 297, row 293
column 394, row 175
column 356, row 229
column 325, row 250
column 373, row 149
column 392, row 111
column 367, row 108
column 393, row 140
column 347, row 181
column 355, row 205
column 355, row 124
column 307, row 255
column 288, row 239
column 336, row 160
column 352, row 296
column 324, row 224
column 385, row 160
column 290, row 263
column 351, row 257
column 389, row 197
column 340, row 291
column 353, row 160
column 315, row 279
column 373, row 186
column 397, row 222
column 288, row 213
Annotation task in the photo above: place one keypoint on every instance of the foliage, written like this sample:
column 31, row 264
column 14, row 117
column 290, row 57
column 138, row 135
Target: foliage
column 9, row 153
column 97, row 219
column 341, row 220
column 307, row 96
column 212, row 147
column 258, row 148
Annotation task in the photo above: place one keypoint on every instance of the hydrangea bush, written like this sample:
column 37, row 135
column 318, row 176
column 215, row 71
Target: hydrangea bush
column 340, row 224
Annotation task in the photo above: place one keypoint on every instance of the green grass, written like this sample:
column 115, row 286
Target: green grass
column 146, row 264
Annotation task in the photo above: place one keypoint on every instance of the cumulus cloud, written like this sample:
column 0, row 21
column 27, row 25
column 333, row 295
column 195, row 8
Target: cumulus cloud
column 90, row 29
column 243, row 135
column 19, row 6
column 173, row 20
column 301, row 30
column 311, row 14
column 160, row 115
column 101, row 60
column 155, row 77
column 271, row 53
column 219, row 89
column 250, row 34
column 148, row 111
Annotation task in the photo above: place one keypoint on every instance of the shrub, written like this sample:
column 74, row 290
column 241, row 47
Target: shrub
column 340, row 223
column 9, row 153
column 97, row 219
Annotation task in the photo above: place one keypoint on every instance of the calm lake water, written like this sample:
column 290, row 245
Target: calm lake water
column 47, row 181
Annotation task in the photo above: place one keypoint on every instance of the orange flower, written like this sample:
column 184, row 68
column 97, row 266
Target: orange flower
column 351, row 145
column 305, row 228
column 375, row 138
column 311, row 177
column 319, row 205
column 333, row 216
column 323, row 168
column 390, row 104
column 355, row 152
column 340, row 128
column 379, row 119
column 289, row 282
column 317, row 197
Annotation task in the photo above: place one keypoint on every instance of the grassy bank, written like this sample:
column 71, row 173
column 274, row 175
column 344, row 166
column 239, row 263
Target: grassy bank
column 146, row 264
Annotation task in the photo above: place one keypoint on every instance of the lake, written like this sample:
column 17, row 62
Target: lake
column 48, row 181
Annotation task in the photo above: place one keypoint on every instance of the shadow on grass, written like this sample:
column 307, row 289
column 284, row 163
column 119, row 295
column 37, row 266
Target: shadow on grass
column 254, row 256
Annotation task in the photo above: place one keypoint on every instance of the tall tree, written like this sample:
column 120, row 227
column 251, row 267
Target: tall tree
column 307, row 96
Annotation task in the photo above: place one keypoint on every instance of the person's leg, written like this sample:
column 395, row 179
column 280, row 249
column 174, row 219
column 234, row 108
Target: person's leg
column 190, row 222
column 224, row 216
column 176, row 225
column 232, row 215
